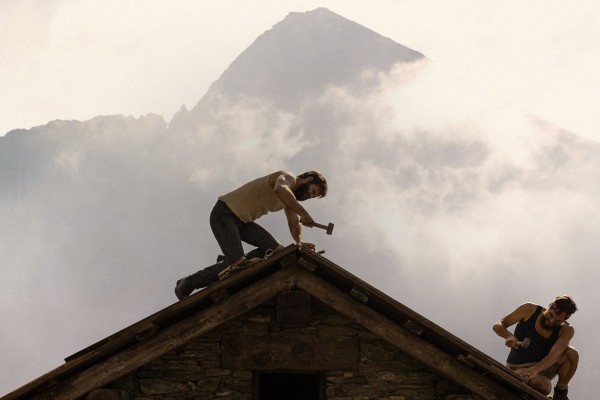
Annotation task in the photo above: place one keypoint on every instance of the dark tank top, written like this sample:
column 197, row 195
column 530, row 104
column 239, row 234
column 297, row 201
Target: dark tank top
column 538, row 348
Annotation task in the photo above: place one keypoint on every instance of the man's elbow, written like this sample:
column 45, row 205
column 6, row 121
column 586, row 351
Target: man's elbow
column 498, row 327
column 279, row 189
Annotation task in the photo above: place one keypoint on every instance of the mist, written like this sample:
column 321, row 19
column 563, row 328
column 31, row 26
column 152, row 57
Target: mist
column 457, row 205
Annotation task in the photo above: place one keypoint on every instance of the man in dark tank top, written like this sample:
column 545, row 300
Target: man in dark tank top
column 539, row 346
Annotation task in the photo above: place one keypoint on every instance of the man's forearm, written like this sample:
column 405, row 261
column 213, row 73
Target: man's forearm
column 294, row 225
column 509, row 338
column 296, row 232
column 501, row 330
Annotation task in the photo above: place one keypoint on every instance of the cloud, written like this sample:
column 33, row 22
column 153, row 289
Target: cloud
column 454, row 203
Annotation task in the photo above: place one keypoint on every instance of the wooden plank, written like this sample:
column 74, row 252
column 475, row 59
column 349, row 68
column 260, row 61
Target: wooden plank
column 413, row 326
column 414, row 346
column 170, row 338
column 360, row 294
column 115, row 341
column 266, row 353
column 508, row 375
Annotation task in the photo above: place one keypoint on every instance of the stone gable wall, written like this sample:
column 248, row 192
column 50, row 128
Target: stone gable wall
column 195, row 371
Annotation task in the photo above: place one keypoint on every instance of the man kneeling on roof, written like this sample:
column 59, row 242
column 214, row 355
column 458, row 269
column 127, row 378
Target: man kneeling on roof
column 539, row 347
column 232, row 221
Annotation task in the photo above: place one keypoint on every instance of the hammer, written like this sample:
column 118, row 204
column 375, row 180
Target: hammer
column 328, row 228
column 524, row 344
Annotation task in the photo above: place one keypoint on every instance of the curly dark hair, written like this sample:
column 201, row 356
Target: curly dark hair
column 317, row 178
column 565, row 303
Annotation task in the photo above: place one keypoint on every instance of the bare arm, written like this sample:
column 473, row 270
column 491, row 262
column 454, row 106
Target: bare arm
column 296, row 214
column 294, row 225
column 521, row 313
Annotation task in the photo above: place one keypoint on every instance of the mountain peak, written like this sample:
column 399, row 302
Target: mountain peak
column 307, row 51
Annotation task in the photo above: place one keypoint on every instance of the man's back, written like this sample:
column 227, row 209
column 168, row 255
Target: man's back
column 253, row 200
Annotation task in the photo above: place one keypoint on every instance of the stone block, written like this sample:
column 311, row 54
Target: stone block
column 161, row 387
column 108, row 394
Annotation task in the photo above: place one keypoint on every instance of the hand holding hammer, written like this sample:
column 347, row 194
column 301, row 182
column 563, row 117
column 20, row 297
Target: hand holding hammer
column 328, row 228
column 524, row 344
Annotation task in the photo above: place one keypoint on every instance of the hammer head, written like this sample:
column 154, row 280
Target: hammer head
column 330, row 228
column 524, row 344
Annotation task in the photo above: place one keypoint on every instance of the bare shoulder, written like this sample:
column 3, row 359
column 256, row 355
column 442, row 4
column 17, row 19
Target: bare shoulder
column 567, row 329
column 526, row 310
column 528, row 306
column 521, row 313
column 281, row 177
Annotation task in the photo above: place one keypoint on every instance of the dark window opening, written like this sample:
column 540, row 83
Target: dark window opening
column 289, row 386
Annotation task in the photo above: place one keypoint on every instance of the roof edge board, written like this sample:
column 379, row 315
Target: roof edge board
column 428, row 354
column 129, row 359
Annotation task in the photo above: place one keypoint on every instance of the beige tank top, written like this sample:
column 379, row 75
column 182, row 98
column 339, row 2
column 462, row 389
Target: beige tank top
column 253, row 200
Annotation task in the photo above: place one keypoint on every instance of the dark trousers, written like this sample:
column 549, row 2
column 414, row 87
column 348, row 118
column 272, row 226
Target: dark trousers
column 230, row 232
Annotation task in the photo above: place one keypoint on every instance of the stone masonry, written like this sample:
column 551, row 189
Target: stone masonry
column 196, row 370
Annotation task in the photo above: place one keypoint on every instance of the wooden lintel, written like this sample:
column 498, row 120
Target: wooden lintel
column 308, row 353
column 171, row 337
column 414, row 346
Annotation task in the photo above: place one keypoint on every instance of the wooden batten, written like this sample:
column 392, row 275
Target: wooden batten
column 413, row 327
column 360, row 294
column 507, row 373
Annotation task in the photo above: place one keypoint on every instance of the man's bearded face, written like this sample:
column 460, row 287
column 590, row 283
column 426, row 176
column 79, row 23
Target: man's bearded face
column 302, row 192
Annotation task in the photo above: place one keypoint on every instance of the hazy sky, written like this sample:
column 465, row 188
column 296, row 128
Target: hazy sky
column 81, row 58
column 433, row 181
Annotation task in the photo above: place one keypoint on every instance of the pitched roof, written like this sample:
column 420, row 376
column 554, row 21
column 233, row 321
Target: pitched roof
column 142, row 342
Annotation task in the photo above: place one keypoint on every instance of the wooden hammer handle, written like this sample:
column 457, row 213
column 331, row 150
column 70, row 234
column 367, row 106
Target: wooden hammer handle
column 328, row 228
